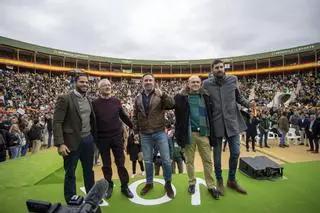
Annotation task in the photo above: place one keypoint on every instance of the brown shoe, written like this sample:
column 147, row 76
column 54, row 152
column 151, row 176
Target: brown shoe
column 220, row 187
column 234, row 185
column 146, row 189
column 169, row 190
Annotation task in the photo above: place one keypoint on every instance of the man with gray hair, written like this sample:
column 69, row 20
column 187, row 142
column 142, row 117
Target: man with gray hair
column 109, row 111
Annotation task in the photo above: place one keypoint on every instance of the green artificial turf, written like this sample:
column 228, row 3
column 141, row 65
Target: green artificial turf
column 298, row 192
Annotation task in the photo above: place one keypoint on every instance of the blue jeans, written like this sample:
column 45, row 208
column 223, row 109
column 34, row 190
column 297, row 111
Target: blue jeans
column 234, row 146
column 15, row 151
column 24, row 149
column 85, row 154
column 283, row 137
column 148, row 141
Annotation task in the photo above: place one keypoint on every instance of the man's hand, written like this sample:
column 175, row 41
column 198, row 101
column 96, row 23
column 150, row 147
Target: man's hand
column 158, row 91
column 63, row 150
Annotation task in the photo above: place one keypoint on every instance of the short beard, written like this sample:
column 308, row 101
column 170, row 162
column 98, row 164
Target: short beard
column 80, row 91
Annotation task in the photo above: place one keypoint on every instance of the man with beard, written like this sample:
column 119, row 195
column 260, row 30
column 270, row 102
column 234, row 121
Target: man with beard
column 73, row 131
column 109, row 111
column 227, row 121
column 149, row 121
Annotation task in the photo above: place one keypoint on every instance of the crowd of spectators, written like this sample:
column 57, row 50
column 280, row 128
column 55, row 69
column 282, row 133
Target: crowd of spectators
column 27, row 100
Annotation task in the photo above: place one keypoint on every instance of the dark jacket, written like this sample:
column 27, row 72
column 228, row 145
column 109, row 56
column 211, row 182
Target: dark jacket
column 283, row 123
column 225, row 96
column 108, row 122
column 252, row 126
column 153, row 120
column 132, row 148
column 67, row 124
column 264, row 124
column 182, row 113
column 35, row 132
column 316, row 128
column 49, row 124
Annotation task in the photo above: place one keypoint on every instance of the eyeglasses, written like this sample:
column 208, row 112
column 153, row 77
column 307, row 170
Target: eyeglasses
column 219, row 67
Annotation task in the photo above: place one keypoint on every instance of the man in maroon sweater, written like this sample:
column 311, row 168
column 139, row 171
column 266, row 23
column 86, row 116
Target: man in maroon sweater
column 109, row 111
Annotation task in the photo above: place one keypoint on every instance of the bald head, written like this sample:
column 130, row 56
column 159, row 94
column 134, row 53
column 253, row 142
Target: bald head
column 104, row 87
column 194, row 83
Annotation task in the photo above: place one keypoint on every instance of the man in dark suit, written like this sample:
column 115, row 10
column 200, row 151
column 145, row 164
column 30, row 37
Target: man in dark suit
column 303, row 123
column 314, row 130
column 73, row 128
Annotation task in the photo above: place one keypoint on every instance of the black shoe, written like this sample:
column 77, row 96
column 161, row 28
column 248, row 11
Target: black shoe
column 267, row 146
column 220, row 187
column 192, row 189
column 109, row 191
column 146, row 189
column 285, row 145
column 126, row 191
column 169, row 190
column 282, row 146
column 254, row 150
column 301, row 144
column 214, row 193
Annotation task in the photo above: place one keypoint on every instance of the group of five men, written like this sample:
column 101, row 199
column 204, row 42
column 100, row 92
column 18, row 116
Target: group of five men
column 205, row 114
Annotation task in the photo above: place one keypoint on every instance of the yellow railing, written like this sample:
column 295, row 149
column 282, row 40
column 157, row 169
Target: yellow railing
column 121, row 74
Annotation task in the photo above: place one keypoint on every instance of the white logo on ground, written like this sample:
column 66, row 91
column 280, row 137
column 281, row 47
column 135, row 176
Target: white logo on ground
column 195, row 198
column 149, row 202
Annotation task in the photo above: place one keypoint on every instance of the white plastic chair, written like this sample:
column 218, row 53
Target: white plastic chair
column 292, row 135
column 272, row 135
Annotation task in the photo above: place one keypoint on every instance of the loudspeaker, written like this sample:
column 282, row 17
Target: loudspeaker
column 260, row 167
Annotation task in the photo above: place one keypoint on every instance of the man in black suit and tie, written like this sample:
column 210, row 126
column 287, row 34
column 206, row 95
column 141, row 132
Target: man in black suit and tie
column 73, row 130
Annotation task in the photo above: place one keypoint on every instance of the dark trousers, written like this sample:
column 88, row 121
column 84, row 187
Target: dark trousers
column 49, row 139
column 253, row 140
column 3, row 153
column 314, row 143
column 85, row 154
column 134, row 166
column 179, row 162
column 115, row 144
column 264, row 135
